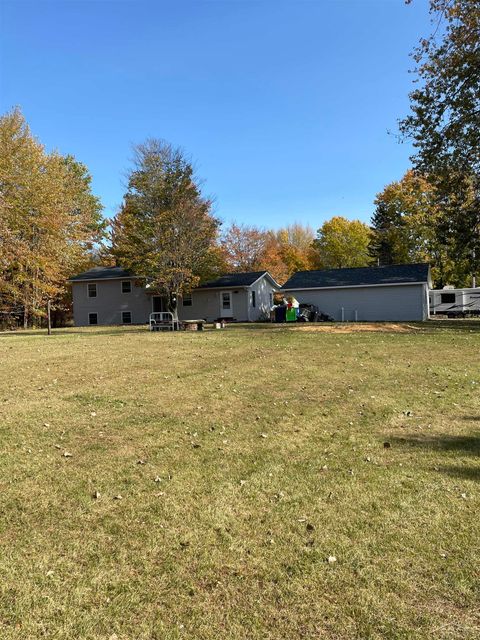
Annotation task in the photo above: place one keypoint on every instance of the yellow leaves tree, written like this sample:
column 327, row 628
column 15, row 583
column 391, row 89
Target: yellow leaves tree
column 49, row 220
column 342, row 243
column 406, row 228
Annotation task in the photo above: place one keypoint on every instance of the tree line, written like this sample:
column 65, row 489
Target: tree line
column 51, row 224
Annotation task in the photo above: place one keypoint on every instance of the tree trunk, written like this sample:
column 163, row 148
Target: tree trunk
column 173, row 307
column 49, row 318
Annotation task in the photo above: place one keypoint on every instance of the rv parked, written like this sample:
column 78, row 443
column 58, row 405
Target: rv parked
column 455, row 303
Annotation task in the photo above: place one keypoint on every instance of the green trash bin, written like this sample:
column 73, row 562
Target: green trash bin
column 291, row 314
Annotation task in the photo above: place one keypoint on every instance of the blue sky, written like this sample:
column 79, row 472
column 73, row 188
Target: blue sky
column 285, row 106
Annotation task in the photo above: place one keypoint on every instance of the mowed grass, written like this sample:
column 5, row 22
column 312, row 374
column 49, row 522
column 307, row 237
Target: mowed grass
column 213, row 474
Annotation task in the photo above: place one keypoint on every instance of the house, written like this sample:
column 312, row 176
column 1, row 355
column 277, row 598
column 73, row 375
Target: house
column 385, row 293
column 450, row 301
column 109, row 295
column 112, row 295
column 244, row 297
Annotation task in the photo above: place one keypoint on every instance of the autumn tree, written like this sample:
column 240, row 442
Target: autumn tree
column 281, row 253
column 405, row 225
column 244, row 247
column 165, row 230
column 444, row 122
column 342, row 243
column 49, row 220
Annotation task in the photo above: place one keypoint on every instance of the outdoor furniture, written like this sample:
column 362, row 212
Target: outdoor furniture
column 193, row 325
column 162, row 321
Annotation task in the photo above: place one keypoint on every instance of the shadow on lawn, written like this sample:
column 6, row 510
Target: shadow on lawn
column 452, row 325
column 462, row 445
column 469, row 445
column 465, row 473
column 72, row 331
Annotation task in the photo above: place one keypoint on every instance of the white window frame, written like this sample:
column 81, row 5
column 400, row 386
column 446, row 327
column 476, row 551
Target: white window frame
column 187, row 298
column 92, row 313
column 92, row 284
column 125, row 282
column 131, row 317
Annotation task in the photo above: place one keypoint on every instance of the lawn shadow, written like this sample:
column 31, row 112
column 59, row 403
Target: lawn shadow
column 73, row 331
column 433, row 325
column 448, row 444
column 465, row 473
column 469, row 445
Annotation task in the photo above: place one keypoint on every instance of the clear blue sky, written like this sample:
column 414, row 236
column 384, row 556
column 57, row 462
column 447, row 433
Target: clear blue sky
column 285, row 106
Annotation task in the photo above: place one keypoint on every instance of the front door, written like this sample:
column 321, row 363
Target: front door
column 226, row 310
column 159, row 303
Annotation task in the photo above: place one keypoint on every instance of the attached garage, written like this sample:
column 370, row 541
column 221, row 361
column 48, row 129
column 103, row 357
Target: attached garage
column 370, row 294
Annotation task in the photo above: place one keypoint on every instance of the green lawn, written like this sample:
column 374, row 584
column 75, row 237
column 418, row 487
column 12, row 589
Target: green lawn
column 194, row 485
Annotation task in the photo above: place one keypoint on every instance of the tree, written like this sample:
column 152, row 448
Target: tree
column 49, row 220
column 165, row 230
column 444, row 122
column 244, row 247
column 281, row 253
column 405, row 227
column 296, row 242
column 342, row 243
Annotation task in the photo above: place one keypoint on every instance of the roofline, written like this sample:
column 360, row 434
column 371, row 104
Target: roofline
column 240, row 286
column 476, row 289
column 73, row 280
column 266, row 273
column 372, row 266
column 225, row 286
column 356, row 286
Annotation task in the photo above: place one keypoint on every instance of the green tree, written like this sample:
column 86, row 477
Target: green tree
column 165, row 230
column 444, row 122
column 405, row 226
column 49, row 220
column 342, row 243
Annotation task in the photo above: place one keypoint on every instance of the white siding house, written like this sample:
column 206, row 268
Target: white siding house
column 387, row 293
column 243, row 297
column 111, row 295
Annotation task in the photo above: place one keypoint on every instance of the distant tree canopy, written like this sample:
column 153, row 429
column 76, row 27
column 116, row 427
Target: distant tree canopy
column 282, row 252
column 165, row 230
column 405, row 230
column 444, row 124
column 342, row 243
column 49, row 220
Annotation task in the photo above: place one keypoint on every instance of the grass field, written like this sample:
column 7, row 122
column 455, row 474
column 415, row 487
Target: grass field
column 160, row 486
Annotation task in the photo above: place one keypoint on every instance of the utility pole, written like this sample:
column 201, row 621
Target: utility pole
column 474, row 275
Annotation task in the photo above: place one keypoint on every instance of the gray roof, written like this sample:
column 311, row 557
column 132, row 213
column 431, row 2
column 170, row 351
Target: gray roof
column 359, row 276
column 102, row 273
column 235, row 280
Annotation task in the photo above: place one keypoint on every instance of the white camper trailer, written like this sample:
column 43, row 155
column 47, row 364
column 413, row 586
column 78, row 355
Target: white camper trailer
column 455, row 302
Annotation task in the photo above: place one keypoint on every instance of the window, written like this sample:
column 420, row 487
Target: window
column 447, row 298
column 126, row 286
column 92, row 318
column 271, row 299
column 92, row 289
column 226, row 300
column 187, row 300
column 126, row 317
column 253, row 299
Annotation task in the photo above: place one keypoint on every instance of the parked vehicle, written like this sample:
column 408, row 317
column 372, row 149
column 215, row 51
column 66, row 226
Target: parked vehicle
column 455, row 303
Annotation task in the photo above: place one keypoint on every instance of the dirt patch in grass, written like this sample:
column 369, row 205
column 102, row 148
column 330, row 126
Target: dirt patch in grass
column 357, row 327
